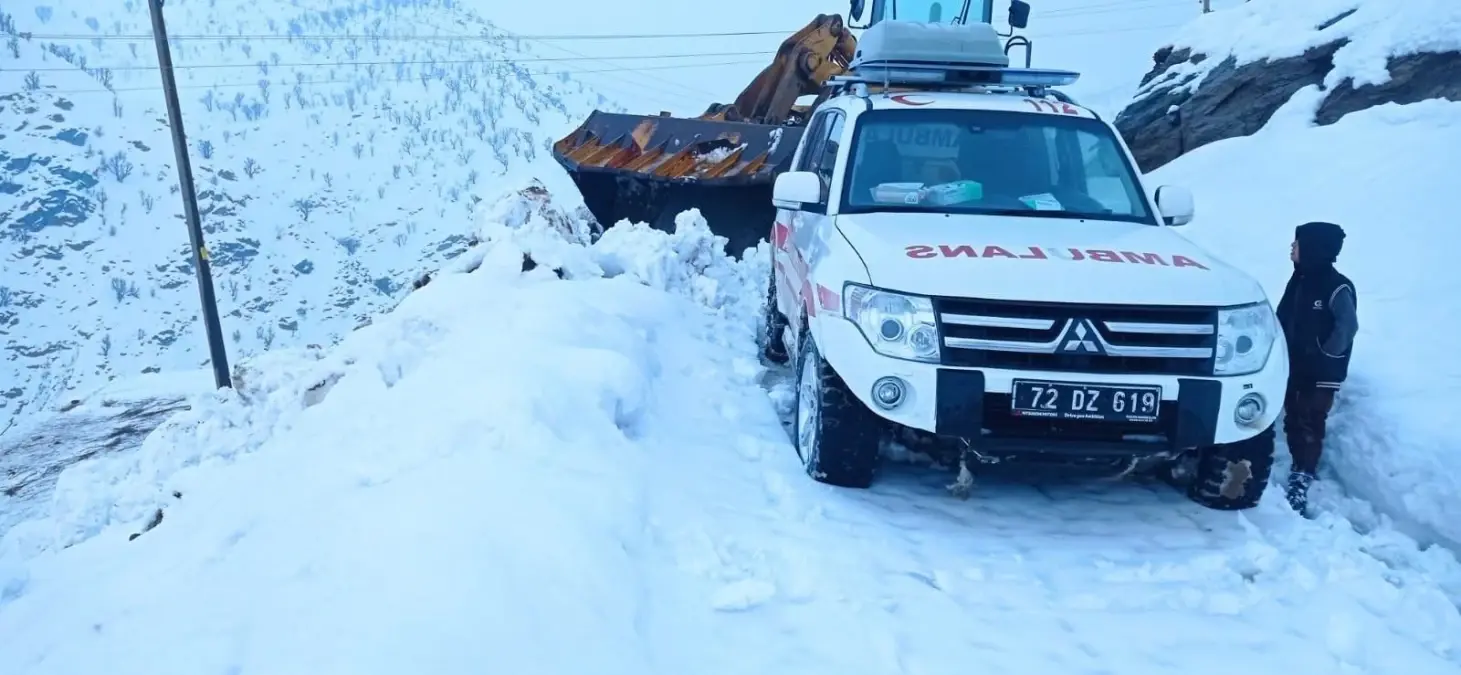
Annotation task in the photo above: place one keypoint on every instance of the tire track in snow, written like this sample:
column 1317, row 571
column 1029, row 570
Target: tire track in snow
column 1093, row 553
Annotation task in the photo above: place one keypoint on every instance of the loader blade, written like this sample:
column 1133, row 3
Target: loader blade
column 650, row 168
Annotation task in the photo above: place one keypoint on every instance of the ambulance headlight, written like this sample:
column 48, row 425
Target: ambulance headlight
column 897, row 325
column 1245, row 337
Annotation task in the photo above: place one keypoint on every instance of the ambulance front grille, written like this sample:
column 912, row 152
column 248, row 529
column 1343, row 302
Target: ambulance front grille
column 1078, row 338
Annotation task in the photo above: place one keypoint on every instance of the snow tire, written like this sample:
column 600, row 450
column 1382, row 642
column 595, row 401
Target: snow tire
column 773, row 343
column 837, row 436
column 1220, row 482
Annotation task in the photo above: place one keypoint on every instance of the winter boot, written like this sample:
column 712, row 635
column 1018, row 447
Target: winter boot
column 1298, row 491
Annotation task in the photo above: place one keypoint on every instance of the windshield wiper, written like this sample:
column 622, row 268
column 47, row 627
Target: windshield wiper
column 1034, row 213
column 955, row 211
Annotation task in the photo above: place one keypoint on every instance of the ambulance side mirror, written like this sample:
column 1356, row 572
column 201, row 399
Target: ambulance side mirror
column 1176, row 205
column 796, row 189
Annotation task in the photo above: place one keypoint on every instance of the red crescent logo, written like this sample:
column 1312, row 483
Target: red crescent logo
column 908, row 99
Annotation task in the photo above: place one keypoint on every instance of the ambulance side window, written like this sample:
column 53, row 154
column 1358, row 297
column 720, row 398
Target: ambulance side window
column 821, row 153
column 813, row 145
column 830, row 147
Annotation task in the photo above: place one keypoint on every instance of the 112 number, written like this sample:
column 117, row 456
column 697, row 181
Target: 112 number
column 1062, row 108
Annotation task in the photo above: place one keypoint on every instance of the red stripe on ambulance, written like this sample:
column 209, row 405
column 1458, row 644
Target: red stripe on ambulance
column 1046, row 253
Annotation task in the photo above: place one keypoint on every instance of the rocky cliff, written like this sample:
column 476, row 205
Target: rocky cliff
column 1195, row 95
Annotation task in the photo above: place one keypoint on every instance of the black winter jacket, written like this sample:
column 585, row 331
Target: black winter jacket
column 1318, row 311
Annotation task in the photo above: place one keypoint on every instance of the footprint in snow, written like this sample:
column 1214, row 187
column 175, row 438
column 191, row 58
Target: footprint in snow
column 742, row 595
column 749, row 449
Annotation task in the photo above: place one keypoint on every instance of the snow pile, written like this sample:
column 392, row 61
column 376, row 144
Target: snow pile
column 273, row 391
column 689, row 262
column 1381, row 173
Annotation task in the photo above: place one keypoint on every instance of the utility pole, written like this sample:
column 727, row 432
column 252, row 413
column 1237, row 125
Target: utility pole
column 216, row 352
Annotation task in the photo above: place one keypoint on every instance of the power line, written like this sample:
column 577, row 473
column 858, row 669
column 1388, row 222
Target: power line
column 437, row 38
column 398, row 80
column 576, row 56
column 1084, row 12
column 504, row 35
column 440, row 62
column 682, row 89
column 616, row 71
column 1075, row 33
column 1090, row 9
column 1110, row 31
column 1119, row 4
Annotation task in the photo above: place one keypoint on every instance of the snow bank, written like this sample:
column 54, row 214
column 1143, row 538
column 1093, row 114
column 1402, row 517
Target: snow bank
column 1386, row 174
column 276, row 391
column 1376, row 31
column 549, row 384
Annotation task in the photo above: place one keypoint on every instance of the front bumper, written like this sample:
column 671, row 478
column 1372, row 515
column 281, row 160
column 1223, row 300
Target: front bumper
column 974, row 403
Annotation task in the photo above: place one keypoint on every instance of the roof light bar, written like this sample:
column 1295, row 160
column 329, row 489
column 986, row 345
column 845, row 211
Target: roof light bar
column 1037, row 77
column 912, row 54
column 904, row 73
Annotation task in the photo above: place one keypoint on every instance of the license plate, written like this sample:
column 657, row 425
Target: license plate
column 1100, row 402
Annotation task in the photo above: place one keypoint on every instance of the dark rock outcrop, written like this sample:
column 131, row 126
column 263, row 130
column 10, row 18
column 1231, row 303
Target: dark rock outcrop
column 1233, row 100
column 1413, row 78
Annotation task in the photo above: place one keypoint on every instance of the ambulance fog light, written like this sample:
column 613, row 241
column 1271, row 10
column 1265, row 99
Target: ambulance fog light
column 888, row 392
column 1250, row 410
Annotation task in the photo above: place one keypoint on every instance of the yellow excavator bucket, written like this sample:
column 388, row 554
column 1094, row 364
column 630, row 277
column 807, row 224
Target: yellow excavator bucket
column 650, row 168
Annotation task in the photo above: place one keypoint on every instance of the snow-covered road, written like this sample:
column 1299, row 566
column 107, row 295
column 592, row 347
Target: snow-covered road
column 532, row 475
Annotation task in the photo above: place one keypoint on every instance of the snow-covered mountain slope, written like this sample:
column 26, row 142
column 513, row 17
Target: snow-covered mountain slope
column 593, row 462
column 330, row 171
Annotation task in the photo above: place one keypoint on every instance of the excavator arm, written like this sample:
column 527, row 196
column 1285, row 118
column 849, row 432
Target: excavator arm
column 648, row 168
column 803, row 64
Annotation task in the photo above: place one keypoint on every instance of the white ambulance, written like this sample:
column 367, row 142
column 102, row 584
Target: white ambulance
column 964, row 253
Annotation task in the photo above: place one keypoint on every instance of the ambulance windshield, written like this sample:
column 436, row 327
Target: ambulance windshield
column 991, row 162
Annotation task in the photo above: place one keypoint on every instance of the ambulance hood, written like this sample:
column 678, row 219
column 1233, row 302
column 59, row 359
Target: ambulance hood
column 1042, row 260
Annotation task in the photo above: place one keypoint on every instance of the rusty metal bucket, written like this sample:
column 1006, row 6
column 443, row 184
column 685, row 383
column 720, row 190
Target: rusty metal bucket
column 649, row 169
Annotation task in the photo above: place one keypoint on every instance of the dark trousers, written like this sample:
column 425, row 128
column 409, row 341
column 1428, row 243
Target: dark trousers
column 1306, row 411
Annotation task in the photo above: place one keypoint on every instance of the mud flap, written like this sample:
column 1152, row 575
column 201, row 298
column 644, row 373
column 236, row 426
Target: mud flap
column 963, row 484
column 1235, row 479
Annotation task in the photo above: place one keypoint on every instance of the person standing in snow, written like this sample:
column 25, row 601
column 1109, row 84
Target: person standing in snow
column 1319, row 318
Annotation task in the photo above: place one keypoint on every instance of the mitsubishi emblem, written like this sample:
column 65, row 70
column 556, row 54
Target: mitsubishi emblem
column 1080, row 337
